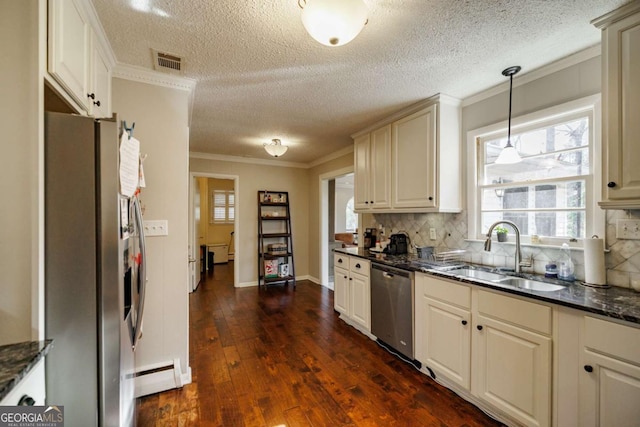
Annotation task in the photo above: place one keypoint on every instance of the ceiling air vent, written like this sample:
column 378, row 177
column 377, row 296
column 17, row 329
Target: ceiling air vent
column 167, row 62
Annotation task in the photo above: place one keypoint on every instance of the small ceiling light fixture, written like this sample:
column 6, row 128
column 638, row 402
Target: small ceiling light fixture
column 275, row 148
column 333, row 22
column 509, row 154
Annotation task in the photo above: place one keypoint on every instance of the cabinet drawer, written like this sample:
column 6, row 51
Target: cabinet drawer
column 341, row 261
column 621, row 341
column 444, row 290
column 530, row 315
column 360, row 266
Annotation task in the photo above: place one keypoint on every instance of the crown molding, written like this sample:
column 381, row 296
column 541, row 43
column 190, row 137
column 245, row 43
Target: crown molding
column 144, row 75
column 332, row 156
column 561, row 64
column 249, row 160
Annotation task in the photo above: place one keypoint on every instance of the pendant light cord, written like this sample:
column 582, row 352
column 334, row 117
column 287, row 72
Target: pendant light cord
column 510, row 96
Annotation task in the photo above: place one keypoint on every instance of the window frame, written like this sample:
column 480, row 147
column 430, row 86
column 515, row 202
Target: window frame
column 595, row 217
column 227, row 205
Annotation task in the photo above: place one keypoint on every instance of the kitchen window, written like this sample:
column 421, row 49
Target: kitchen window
column 553, row 191
column 223, row 207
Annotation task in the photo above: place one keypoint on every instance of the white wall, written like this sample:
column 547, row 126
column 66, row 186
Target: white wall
column 343, row 194
column 254, row 177
column 22, row 38
column 161, row 124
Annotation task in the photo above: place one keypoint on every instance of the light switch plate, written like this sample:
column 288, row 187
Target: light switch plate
column 628, row 229
column 432, row 234
column 156, row 228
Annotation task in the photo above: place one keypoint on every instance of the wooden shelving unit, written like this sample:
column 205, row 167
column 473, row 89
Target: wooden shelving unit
column 275, row 242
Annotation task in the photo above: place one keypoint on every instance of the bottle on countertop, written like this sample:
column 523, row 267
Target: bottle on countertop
column 566, row 268
column 551, row 270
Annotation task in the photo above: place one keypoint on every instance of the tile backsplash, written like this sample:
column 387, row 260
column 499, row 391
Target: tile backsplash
column 622, row 261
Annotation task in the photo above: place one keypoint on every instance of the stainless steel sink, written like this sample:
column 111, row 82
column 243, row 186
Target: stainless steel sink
column 479, row 274
column 532, row 285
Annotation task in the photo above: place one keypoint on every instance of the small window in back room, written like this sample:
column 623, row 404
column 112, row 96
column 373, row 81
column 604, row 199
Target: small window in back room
column 223, row 203
column 551, row 191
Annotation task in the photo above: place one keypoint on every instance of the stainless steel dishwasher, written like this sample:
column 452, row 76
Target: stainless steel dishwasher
column 392, row 292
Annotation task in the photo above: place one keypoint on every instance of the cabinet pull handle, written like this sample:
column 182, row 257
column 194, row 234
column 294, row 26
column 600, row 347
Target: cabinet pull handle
column 358, row 265
column 588, row 368
column 91, row 95
column 464, row 322
column 26, row 400
column 611, row 184
column 96, row 103
column 479, row 327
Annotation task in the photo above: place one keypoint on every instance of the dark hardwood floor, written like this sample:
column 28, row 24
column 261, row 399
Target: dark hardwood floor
column 279, row 357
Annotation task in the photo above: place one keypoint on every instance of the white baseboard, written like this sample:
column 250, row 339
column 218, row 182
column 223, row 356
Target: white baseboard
column 161, row 377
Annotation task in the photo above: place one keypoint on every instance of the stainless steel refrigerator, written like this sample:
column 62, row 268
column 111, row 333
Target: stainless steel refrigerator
column 94, row 270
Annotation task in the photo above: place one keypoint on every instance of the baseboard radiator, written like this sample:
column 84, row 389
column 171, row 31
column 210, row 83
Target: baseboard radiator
column 160, row 377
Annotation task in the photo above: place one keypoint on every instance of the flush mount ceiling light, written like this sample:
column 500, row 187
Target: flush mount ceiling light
column 509, row 154
column 333, row 22
column 275, row 148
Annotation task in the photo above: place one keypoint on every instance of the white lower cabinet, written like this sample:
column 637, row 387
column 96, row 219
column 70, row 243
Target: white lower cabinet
column 352, row 290
column 497, row 347
column 610, row 375
column 443, row 328
column 30, row 390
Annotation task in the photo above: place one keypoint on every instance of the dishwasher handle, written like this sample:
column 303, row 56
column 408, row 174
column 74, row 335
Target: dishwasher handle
column 390, row 272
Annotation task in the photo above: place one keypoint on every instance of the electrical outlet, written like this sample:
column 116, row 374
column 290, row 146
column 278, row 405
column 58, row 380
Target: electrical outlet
column 156, row 228
column 432, row 234
column 628, row 229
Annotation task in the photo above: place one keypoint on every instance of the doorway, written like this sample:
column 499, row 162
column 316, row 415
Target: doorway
column 213, row 224
column 336, row 220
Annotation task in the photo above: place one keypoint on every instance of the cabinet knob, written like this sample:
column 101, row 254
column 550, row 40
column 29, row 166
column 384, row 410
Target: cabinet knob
column 479, row 327
column 366, row 202
column 350, row 278
column 91, row 95
column 96, row 103
column 345, row 277
column 464, row 322
column 430, row 198
column 372, row 202
column 26, row 400
column 611, row 184
column 340, row 261
column 588, row 368
column 358, row 265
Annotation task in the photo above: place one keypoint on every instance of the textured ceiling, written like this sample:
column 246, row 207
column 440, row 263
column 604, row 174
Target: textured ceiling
column 261, row 76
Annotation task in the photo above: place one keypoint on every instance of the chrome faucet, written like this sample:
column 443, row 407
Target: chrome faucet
column 518, row 263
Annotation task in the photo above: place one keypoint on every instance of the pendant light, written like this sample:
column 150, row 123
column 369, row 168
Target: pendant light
column 275, row 148
column 509, row 154
column 333, row 22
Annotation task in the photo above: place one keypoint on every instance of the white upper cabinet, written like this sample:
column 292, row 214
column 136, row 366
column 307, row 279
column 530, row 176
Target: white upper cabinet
column 77, row 61
column 414, row 151
column 70, row 48
column 100, row 95
column 413, row 160
column 621, row 107
column 372, row 153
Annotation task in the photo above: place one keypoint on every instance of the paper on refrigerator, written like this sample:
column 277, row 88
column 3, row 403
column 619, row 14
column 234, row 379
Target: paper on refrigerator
column 129, row 165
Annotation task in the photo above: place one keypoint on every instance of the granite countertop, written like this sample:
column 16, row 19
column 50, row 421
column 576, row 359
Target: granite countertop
column 615, row 302
column 17, row 360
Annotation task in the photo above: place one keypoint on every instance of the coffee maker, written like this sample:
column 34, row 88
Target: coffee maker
column 369, row 238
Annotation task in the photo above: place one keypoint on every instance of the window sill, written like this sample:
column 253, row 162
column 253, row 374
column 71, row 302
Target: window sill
column 539, row 245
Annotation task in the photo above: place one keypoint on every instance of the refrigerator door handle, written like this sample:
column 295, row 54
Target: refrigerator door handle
column 142, row 272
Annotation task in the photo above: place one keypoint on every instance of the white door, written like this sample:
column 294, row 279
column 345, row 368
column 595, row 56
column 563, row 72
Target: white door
column 443, row 339
column 341, row 291
column 194, row 245
column 513, row 371
column 360, row 300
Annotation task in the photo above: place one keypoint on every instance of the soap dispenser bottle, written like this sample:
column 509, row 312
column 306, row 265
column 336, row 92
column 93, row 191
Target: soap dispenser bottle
column 565, row 266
